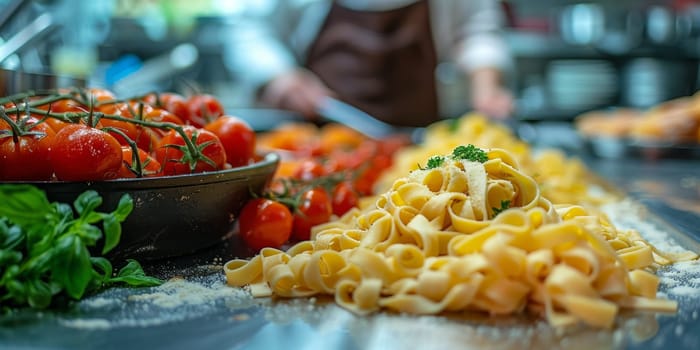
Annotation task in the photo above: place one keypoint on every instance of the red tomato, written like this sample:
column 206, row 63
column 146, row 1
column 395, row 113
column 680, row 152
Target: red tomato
column 344, row 198
column 159, row 115
column 203, row 109
column 65, row 105
column 30, row 157
column 265, row 223
column 129, row 129
column 315, row 208
column 237, row 137
column 135, row 132
column 174, row 161
column 100, row 95
column 309, row 169
column 82, row 153
column 173, row 103
column 149, row 166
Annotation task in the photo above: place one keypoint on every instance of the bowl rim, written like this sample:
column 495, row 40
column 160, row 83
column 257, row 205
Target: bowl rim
column 267, row 164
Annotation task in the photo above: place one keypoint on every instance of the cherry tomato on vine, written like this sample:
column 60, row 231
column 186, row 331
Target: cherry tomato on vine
column 314, row 208
column 203, row 109
column 149, row 166
column 237, row 137
column 83, row 153
column 65, row 105
column 159, row 115
column 309, row 169
column 30, row 157
column 344, row 198
column 174, row 156
column 172, row 102
column 100, row 95
column 265, row 223
column 129, row 129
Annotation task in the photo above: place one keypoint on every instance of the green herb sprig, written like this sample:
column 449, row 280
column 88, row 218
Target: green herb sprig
column 44, row 247
column 505, row 204
column 470, row 152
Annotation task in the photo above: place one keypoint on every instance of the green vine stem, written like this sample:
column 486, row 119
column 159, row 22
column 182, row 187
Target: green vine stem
column 92, row 117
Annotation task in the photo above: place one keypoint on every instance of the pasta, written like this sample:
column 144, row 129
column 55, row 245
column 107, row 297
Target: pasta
column 561, row 180
column 466, row 236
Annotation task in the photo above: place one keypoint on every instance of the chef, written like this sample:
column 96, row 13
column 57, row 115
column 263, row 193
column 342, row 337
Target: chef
column 378, row 55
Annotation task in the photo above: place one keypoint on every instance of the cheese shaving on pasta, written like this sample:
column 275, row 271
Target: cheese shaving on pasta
column 440, row 240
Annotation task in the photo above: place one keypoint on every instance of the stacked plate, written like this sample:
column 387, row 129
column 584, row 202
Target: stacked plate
column 577, row 85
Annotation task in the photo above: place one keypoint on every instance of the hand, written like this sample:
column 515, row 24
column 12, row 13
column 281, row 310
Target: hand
column 298, row 90
column 494, row 101
column 488, row 95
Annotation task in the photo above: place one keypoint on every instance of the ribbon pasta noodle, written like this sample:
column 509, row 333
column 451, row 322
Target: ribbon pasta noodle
column 438, row 240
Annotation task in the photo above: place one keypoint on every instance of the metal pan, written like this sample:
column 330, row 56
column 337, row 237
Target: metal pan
column 12, row 81
column 173, row 215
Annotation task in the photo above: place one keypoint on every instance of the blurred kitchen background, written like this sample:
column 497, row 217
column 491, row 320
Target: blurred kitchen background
column 570, row 56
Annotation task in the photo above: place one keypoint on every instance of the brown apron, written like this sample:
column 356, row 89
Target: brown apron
column 382, row 62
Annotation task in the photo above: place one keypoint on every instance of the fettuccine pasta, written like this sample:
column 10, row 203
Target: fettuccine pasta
column 465, row 235
column 561, row 179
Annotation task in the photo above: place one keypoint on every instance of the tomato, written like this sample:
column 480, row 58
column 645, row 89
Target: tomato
column 314, row 208
column 65, row 105
column 169, row 152
column 173, row 103
column 265, row 223
column 159, row 115
column 100, row 95
column 203, row 109
column 344, row 198
column 82, row 153
column 129, row 129
column 309, row 169
column 149, row 166
column 237, row 137
column 29, row 158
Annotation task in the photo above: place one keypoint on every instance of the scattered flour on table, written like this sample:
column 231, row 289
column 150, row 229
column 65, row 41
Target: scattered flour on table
column 175, row 300
column 680, row 280
column 628, row 214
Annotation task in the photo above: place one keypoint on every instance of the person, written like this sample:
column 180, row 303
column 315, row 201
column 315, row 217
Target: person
column 378, row 55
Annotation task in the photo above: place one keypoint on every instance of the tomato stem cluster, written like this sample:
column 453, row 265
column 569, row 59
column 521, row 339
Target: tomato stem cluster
column 192, row 153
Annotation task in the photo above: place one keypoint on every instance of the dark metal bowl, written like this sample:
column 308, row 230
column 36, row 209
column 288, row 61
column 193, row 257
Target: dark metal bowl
column 174, row 215
column 12, row 81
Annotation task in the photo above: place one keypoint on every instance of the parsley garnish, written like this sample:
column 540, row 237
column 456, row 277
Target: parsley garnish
column 435, row 162
column 505, row 204
column 470, row 152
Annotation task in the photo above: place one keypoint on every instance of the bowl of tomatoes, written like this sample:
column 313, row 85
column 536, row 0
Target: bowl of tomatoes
column 187, row 166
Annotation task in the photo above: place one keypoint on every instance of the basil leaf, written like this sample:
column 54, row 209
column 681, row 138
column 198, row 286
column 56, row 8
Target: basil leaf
column 72, row 268
column 9, row 257
column 38, row 294
column 64, row 211
column 133, row 275
column 87, row 202
column 102, row 267
column 24, row 205
column 90, row 234
column 113, row 232
column 11, row 237
column 124, row 208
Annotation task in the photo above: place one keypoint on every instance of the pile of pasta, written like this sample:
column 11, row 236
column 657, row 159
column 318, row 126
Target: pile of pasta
column 561, row 179
column 466, row 236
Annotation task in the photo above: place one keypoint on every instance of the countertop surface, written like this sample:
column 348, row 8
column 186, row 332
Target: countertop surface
column 197, row 311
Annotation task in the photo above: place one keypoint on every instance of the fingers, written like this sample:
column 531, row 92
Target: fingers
column 299, row 90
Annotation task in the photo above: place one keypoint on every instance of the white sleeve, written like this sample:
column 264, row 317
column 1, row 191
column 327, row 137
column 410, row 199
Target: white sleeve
column 479, row 36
